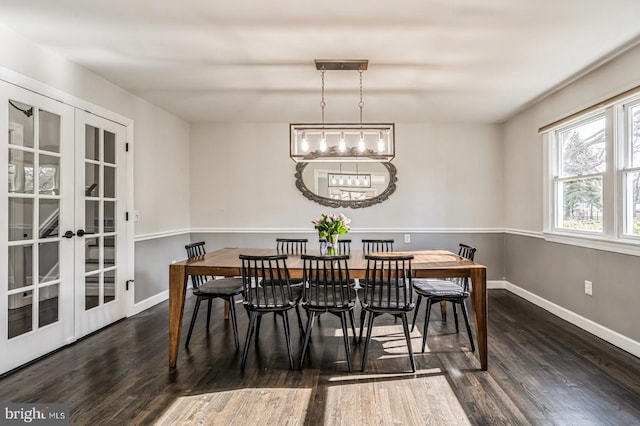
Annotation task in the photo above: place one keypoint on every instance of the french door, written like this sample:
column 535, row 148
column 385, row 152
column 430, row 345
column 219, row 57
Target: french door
column 100, row 223
column 62, row 234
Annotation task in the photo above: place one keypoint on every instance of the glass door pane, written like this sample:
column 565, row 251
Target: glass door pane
column 33, row 218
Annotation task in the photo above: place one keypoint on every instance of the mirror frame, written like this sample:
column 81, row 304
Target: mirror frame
column 354, row 204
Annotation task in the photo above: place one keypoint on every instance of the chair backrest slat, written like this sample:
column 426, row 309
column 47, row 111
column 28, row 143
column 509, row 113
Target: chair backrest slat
column 195, row 250
column 468, row 252
column 387, row 283
column 292, row 245
column 371, row 246
column 326, row 282
column 265, row 281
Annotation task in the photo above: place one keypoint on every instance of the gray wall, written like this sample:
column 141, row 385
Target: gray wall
column 556, row 272
column 153, row 258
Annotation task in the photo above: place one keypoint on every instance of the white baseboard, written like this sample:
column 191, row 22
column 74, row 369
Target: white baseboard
column 613, row 337
column 492, row 285
column 149, row 302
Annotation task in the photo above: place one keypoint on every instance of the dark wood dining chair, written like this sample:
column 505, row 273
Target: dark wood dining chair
column 344, row 246
column 207, row 288
column 267, row 289
column 371, row 246
column 387, row 290
column 328, row 289
column 292, row 245
column 454, row 290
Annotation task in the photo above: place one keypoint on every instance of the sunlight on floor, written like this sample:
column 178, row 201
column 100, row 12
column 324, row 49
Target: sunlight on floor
column 429, row 400
column 240, row 406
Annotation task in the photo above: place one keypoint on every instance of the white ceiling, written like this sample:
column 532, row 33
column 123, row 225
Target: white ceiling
column 252, row 61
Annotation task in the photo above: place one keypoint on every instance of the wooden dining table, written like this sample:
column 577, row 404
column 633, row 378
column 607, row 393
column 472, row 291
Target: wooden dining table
column 426, row 264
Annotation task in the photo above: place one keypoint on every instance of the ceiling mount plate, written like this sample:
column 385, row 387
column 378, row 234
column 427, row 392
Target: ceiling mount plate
column 342, row 64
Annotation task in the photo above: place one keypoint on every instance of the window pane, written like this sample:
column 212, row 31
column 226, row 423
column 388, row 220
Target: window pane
column 20, row 124
column 20, row 266
column 633, row 203
column 92, row 143
column 20, row 313
column 20, row 171
column 582, row 204
column 583, row 148
column 109, row 147
column 48, row 305
column 635, row 136
column 49, row 261
column 49, row 131
column 20, row 219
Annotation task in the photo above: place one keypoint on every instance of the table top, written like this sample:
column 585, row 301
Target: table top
column 226, row 261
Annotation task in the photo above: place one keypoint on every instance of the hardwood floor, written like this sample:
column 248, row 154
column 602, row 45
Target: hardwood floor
column 542, row 371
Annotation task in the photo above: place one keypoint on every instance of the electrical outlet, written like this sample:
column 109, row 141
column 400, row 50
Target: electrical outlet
column 407, row 238
column 588, row 288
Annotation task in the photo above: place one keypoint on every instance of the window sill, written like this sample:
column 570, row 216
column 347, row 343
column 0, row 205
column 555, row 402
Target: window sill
column 623, row 246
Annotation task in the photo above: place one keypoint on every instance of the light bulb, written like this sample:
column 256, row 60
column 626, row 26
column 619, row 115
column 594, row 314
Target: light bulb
column 304, row 145
column 357, row 180
column 380, row 144
column 323, row 143
column 341, row 180
column 364, row 181
column 333, row 180
column 349, row 180
column 361, row 145
column 342, row 146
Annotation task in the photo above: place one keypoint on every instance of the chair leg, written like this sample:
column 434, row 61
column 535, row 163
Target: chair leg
column 193, row 320
column 415, row 312
column 258, row 322
column 353, row 324
column 209, row 312
column 252, row 323
column 455, row 317
column 287, row 335
column 405, row 325
column 311, row 316
column 466, row 321
column 363, row 315
column 234, row 321
column 300, row 327
column 366, row 342
column 345, row 335
column 426, row 325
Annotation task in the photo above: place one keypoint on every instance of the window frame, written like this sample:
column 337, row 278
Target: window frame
column 615, row 234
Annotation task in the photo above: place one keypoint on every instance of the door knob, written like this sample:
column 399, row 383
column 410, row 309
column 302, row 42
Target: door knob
column 69, row 234
column 80, row 232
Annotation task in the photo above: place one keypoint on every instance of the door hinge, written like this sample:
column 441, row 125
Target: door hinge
column 126, row 146
column 126, row 216
column 129, row 281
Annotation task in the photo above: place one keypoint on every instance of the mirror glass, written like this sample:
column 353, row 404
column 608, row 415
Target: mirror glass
column 348, row 184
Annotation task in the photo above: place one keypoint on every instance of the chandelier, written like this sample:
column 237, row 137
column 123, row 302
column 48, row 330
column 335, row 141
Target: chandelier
column 341, row 142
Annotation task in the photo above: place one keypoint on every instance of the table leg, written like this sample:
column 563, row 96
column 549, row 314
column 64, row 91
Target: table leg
column 226, row 309
column 479, row 297
column 443, row 310
column 177, row 291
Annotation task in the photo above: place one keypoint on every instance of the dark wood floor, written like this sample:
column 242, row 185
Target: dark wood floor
column 542, row 370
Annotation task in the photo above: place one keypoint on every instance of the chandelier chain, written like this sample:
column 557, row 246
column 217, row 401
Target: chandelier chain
column 322, row 103
column 361, row 103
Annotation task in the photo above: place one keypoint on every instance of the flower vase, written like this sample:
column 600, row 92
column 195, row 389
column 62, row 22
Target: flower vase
column 332, row 244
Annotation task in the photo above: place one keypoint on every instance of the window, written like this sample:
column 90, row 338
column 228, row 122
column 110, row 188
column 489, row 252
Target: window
column 582, row 166
column 593, row 170
column 631, row 170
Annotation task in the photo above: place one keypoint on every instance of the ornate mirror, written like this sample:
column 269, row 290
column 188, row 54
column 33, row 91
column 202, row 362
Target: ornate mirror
column 347, row 184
